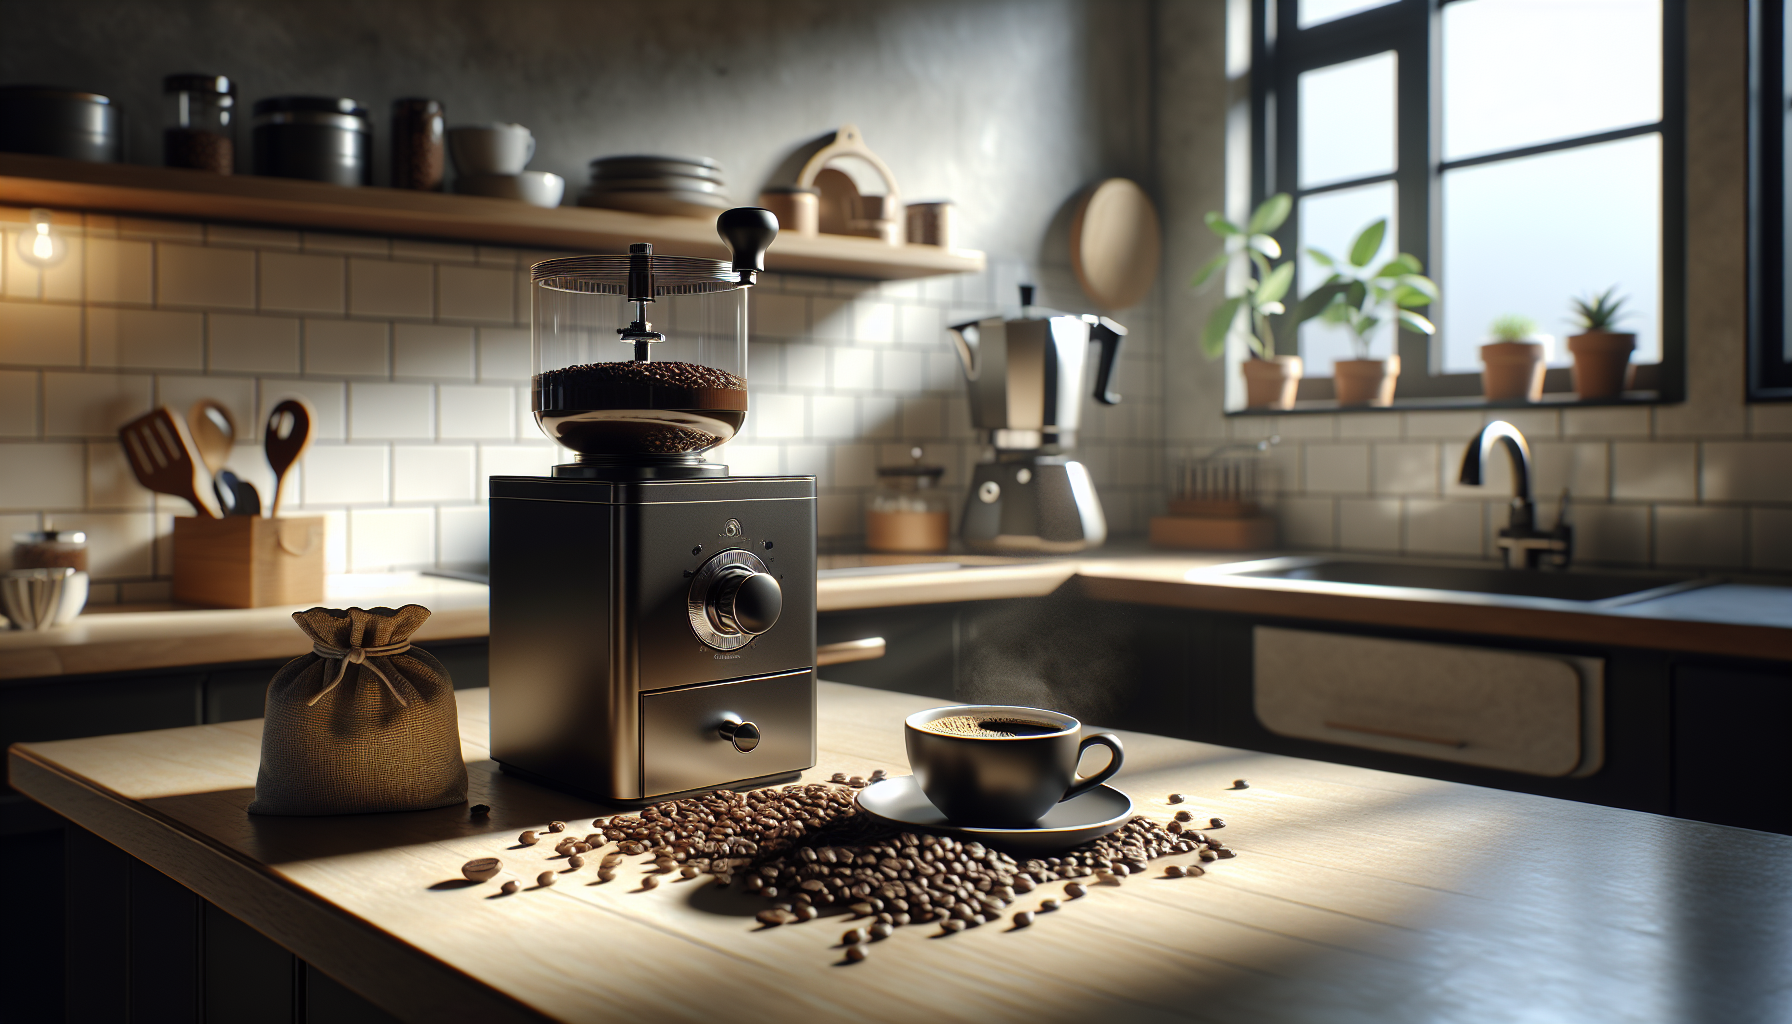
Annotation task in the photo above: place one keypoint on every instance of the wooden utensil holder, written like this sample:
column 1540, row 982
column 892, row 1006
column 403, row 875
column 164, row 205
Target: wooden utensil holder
column 248, row 561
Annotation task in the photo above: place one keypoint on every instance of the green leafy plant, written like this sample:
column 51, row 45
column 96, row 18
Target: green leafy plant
column 1512, row 327
column 1261, row 297
column 1360, row 299
column 1600, row 312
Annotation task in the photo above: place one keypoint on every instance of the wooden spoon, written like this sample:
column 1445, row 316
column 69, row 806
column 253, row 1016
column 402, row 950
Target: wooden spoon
column 214, row 434
column 162, row 456
column 287, row 436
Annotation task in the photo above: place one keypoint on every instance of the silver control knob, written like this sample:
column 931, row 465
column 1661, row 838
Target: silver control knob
column 745, row 601
column 744, row 735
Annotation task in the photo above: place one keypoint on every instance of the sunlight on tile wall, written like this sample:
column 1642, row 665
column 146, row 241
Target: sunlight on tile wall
column 416, row 357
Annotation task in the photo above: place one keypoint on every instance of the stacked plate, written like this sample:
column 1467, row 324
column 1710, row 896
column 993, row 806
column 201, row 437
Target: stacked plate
column 666, row 185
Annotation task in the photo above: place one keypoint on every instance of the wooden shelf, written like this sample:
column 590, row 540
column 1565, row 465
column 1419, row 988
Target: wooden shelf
column 171, row 192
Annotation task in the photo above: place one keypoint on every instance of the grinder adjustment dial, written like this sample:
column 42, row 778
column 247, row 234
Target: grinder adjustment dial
column 733, row 599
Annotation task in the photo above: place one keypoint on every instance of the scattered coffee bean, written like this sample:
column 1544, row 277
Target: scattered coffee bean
column 854, row 937
column 882, row 930
column 1047, row 906
column 509, row 888
column 899, row 918
column 1240, row 784
column 878, row 775
column 1225, row 854
column 597, row 823
column 856, row 782
column 481, row 869
column 545, row 878
column 861, row 910
column 857, row 952
column 974, row 920
column 688, row 871
column 1208, row 855
column 1174, row 871
column 479, row 810
column 805, row 912
column 650, row 882
column 1075, row 890
column 575, row 862
column 839, row 777
column 775, row 916
column 606, row 874
column 1177, row 798
column 556, row 826
column 1184, row 816
column 952, row 924
column 1194, row 870
column 1216, row 823
column 528, row 838
column 581, row 847
column 611, row 860
column 1174, row 827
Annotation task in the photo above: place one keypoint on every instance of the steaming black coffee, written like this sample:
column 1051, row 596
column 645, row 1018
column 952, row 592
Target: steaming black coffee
column 982, row 727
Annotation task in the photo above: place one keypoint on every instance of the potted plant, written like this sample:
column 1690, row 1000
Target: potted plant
column 1602, row 367
column 1361, row 299
column 1512, row 364
column 1270, row 380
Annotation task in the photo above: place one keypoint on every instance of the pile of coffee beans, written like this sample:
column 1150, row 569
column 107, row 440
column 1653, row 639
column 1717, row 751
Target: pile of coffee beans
column 810, row 849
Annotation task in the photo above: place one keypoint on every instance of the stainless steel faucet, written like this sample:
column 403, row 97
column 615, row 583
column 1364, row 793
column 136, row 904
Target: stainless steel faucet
column 1523, row 545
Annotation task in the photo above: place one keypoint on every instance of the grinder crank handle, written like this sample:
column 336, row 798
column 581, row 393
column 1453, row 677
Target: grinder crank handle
column 749, row 231
column 1109, row 334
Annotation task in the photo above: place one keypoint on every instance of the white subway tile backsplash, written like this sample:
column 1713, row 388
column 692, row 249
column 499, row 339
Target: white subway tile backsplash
column 1611, row 534
column 764, row 364
column 335, row 539
column 1661, row 471
column 432, row 352
column 944, row 372
column 65, row 281
column 338, row 474
column 1456, row 425
column 1337, row 468
column 477, row 294
column 1746, row 471
column 1770, row 419
column 251, row 344
column 386, row 288
column 1535, row 424
column 1606, row 421
column 1694, row 536
column 1443, row 527
column 111, row 486
column 923, row 417
column 805, row 366
column 347, row 348
column 436, row 473
column 873, row 323
column 855, row 465
column 18, row 403
column 40, row 334
column 11, row 524
column 120, row 271
column 1770, row 539
column 514, row 460
column 879, row 417
column 382, row 539
column 250, row 238
column 921, row 327
column 1582, row 468
column 160, row 230
column 743, row 459
column 814, row 460
column 301, row 283
column 391, row 411
column 902, row 370
column 93, row 404
column 1385, row 427
column 155, row 339
column 329, row 415
column 119, row 544
column 348, row 245
column 465, row 533
column 1308, row 522
column 1369, row 524
column 433, row 252
column 504, row 354
column 495, row 256
column 778, row 316
column 236, row 393
column 476, row 413
column 839, row 515
column 780, row 416
column 43, row 476
column 192, row 275
column 853, row 369
column 1307, row 428
column 831, row 319
column 1405, row 468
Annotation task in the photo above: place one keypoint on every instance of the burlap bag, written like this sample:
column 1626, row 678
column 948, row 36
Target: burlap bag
column 363, row 724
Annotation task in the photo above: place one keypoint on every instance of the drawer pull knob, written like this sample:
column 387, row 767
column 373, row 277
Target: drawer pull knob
column 744, row 735
column 1396, row 734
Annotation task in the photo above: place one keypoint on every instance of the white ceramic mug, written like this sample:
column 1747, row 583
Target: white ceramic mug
column 491, row 148
column 42, row 598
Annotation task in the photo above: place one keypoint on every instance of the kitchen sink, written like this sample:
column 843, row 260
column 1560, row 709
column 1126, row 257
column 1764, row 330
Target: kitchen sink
column 1589, row 588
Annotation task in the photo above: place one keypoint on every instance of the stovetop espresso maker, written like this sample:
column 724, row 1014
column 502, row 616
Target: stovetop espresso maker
column 652, row 617
column 1026, row 388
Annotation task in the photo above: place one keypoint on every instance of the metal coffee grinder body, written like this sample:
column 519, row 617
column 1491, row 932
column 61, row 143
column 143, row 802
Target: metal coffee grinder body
column 652, row 617
column 1025, row 379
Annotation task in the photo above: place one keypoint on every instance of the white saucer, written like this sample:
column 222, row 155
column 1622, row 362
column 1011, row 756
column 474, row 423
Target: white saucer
column 1090, row 815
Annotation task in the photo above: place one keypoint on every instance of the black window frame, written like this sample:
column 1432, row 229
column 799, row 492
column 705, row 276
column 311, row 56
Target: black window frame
column 1769, row 371
column 1281, row 51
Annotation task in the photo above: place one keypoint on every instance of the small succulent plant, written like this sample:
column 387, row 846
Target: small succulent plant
column 1260, row 296
column 1359, row 297
column 1600, row 312
column 1512, row 327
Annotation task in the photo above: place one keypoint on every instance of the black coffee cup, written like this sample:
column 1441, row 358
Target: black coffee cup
column 1009, row 772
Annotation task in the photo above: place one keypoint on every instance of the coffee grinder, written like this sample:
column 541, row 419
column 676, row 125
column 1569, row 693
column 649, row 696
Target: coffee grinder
column 1025, row 376
column 652, row 617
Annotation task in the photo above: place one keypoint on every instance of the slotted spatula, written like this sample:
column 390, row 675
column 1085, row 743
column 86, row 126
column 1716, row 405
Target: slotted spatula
column 287, row 436
column 162, row 456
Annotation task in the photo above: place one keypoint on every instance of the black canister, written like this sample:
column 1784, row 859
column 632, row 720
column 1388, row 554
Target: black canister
column 313, row 137
column 59, row 122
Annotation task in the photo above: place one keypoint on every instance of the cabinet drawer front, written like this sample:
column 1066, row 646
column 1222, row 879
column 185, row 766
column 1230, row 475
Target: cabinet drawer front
column 681, row 743
column 1541, row 714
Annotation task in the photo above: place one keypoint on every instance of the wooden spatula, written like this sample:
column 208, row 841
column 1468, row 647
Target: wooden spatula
column 213, row 431
column 162, row 456
column 287, row 436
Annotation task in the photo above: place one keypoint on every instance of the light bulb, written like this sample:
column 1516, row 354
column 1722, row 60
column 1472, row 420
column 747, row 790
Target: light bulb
column 39, row 244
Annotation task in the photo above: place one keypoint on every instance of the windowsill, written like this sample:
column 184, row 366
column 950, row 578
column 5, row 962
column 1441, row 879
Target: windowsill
column 1550, row 400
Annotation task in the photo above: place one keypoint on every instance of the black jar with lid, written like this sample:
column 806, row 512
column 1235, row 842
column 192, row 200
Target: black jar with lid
column 68, row 123
column 317, row 138
column 199, row 116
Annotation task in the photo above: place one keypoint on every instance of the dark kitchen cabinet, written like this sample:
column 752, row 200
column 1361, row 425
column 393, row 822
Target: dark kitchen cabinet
column 1733, row 746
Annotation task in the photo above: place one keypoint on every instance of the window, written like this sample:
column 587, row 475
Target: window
column 1526, row 151
column 1770, row 202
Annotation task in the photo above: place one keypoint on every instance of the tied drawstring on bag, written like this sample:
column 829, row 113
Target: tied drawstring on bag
column 359, row 656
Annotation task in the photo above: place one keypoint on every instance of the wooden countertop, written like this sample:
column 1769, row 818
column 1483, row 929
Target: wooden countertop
column 1357, row 895
column 1730, row 620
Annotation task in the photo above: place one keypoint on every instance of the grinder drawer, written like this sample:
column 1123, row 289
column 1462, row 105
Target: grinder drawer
column 682, row 743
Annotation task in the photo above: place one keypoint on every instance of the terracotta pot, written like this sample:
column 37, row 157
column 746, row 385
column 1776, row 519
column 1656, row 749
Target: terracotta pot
column 1602, row 367
column 1271, row 383
column 1366, row 381
column 1512, row 370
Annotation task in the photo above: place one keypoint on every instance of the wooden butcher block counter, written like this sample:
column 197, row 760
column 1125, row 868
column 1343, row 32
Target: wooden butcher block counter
column 1356, row 895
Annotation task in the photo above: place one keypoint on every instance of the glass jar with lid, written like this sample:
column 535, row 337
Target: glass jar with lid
column 199, row 123
column 909, row 511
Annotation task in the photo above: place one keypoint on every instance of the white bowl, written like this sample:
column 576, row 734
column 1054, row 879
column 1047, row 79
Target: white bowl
column 667, row 203
column 537, row 188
